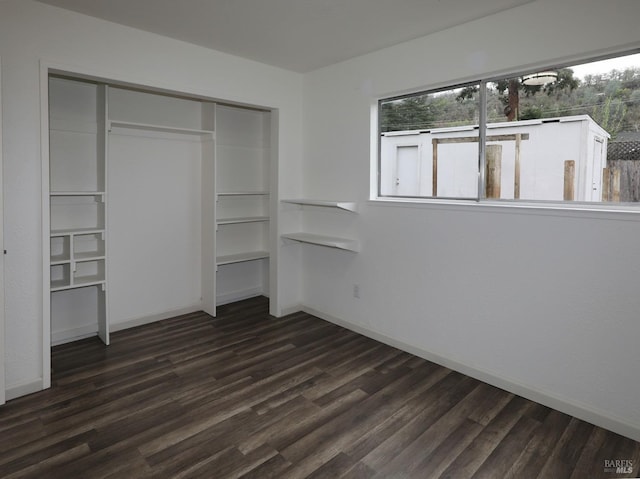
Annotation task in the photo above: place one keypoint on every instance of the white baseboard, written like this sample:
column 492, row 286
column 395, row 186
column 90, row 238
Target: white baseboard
column 599, row 418
column 290, row 310
column 234, row 296
column 152, row 318
column 73, row 334
column 23, row 389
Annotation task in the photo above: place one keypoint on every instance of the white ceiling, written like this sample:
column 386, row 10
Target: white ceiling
column 298, row 35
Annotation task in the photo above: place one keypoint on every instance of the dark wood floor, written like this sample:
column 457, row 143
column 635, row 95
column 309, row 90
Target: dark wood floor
column 250, row 396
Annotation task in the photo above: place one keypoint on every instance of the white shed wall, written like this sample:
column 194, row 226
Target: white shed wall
column 542, row 156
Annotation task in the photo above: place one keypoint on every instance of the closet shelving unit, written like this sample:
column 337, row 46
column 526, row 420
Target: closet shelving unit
column 244, row 219
column 347, row 244
column 242, row 200
column 135, row 175
column 77, row 204
column 250, row 254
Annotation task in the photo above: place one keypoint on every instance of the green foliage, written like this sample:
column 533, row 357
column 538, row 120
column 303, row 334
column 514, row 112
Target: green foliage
column 412, row 113
column 426, row 111
column 531, row 113
column 610, row 115
column 612, row 99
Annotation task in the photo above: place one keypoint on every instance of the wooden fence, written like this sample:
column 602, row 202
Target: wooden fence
column 613, row 188
column 621, row 181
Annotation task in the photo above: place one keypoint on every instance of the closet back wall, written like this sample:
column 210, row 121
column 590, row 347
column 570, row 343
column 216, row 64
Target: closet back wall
column 155, row 253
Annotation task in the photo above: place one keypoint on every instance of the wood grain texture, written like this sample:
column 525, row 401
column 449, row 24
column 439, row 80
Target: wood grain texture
column 246, row 395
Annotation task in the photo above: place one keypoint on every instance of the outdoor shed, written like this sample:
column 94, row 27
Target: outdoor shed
column 544, row 159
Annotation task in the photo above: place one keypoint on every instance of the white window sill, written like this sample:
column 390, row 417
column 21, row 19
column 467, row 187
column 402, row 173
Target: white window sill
column 576, row 210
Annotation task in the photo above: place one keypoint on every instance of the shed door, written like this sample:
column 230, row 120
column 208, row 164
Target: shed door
column 407, row 171
column 596, row 168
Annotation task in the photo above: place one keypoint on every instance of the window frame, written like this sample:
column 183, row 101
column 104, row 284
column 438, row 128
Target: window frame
column 481, row 200
column 379, row 132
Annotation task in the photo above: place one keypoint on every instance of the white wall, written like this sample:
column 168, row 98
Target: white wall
column 2, row 341
column 540, row 302
column 429, row 276
column 31, row 33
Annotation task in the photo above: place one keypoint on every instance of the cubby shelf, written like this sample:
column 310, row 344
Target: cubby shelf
column 60, row 259
column 242, row 219
column 83, row 282
column 60, row 285
column 322, row 240
column 241, row 257
column 343, row 205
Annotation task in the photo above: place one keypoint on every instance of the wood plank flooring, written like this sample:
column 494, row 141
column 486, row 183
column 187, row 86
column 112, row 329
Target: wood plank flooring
column 246, row 395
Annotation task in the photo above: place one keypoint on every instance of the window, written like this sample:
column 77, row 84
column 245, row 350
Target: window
column 559, row 135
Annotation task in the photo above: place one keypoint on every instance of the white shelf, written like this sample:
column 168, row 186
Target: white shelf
column 77, row 193
column 322, row 240
column 244, row 193
column 241, row 257
column 77, row 257
column 158, row 128
column 62, row 285
column 343, row 205
column 83, row 281
column 59, row 259
column 76, row 231
column 242, row 219
column 84, row 257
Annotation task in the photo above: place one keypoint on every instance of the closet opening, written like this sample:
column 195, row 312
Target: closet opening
column 155, row 205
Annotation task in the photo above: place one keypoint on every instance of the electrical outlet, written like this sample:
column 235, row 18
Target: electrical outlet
column 356, row 291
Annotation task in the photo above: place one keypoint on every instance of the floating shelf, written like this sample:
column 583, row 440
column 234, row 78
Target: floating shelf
column 321, row 240
column 242, row 219
column 159, row 128
column 241, row 257
column 343, row 205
